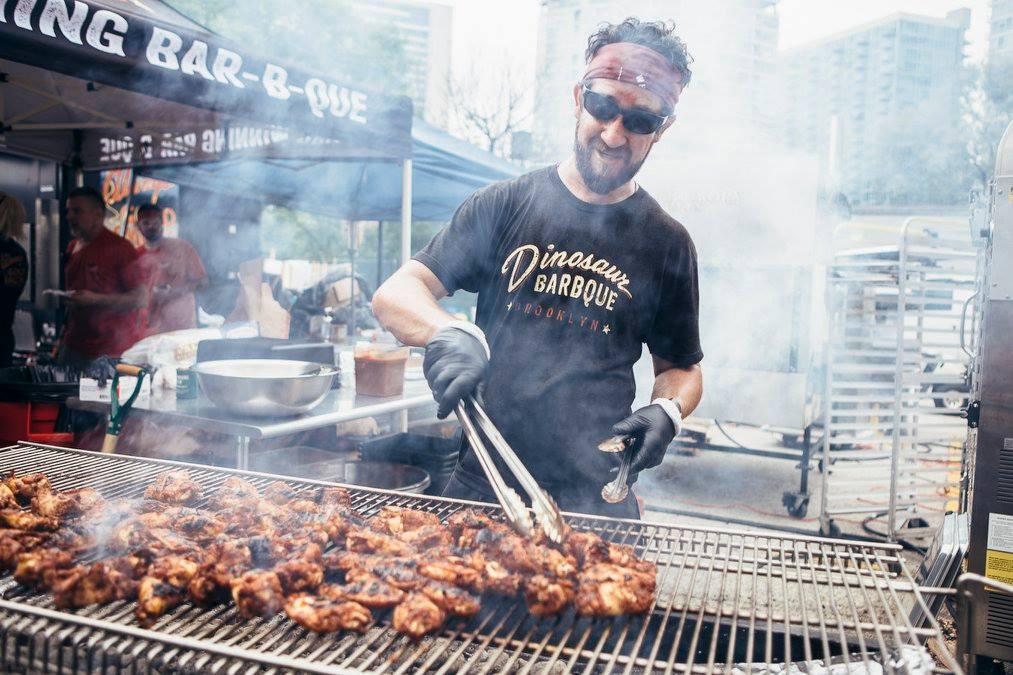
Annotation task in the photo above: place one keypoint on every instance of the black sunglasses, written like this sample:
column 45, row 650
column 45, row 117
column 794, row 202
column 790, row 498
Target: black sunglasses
column 635, row 120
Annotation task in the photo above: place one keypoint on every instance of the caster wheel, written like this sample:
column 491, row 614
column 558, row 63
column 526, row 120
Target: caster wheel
column 796, row 504
column 830, row 530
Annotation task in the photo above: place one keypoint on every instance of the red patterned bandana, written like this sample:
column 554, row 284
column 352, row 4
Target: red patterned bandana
column 639, row 65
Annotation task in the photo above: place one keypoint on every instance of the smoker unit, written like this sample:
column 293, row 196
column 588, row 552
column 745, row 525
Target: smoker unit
column 990, row 418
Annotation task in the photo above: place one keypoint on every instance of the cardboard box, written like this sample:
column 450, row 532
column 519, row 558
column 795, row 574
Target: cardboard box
column 91, row 391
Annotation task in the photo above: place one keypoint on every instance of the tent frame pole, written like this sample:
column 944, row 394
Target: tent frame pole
column 406, row 210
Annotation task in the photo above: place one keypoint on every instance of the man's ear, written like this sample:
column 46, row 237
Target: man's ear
column 576, row 101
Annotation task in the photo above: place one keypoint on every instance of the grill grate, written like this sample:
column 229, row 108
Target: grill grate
column 726, row 600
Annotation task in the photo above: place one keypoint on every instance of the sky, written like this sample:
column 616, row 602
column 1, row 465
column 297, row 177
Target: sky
column 504, row 33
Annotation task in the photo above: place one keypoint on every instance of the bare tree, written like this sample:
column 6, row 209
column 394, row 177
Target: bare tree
column 988, row 109
column 489, row 109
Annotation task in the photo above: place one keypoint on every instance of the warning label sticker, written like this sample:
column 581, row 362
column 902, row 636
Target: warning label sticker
column 1000, row 532
column 999, row 566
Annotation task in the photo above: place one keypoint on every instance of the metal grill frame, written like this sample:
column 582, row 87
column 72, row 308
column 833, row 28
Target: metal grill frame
column 724, row 596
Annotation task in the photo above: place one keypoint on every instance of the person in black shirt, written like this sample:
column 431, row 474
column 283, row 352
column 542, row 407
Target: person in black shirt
column 576, row 268
column 13, row 271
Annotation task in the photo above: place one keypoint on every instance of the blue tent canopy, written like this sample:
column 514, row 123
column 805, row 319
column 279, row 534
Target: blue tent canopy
column 445, row 171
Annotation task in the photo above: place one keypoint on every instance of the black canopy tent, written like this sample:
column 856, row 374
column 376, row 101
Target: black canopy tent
column 115, row 80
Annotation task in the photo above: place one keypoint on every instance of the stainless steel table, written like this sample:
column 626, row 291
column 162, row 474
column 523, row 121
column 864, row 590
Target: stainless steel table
column 341, row 405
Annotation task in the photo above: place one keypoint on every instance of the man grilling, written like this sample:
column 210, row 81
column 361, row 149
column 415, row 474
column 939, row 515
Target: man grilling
column 576, row 267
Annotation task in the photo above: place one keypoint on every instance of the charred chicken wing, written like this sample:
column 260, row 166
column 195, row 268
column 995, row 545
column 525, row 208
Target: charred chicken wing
column 366, row 590
column 545, row 595
column 174, row 487
column 362, row 540
column 417, row 615
column 257, row 594
column 606, row 589
column 451, row 599
column 36, row 568
column 27, row 486
column 324, row 615
column 23, row 520
column 67, row 504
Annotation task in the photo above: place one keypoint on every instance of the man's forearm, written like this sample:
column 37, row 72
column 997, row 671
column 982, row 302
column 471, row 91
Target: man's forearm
column 124, row 302
column 408, row 309
column 686, row 384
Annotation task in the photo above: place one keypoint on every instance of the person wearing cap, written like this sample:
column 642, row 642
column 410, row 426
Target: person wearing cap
column 13, row 270
column 174, row 272
column 576, row 268
column 105, row 285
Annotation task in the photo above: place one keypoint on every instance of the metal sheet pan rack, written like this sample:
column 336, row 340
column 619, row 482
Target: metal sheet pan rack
column 727, row 601
column 896, row 379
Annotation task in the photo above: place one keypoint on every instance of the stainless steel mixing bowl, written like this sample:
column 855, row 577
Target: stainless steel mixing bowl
column 264, row 387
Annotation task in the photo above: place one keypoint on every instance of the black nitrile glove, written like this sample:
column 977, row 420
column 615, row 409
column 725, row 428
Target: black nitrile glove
column 101, row 369
column 454, row 366
column 652, row 430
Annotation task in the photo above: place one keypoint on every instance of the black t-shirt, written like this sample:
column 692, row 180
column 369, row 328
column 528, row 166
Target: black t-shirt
column 568, row 292
column 13, row 277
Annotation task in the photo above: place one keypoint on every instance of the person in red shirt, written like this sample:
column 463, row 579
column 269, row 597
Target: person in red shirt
column 105, row 284
column 174, row 272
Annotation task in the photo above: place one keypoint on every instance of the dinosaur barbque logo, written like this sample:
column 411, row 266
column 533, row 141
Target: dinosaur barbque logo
column 602, row 291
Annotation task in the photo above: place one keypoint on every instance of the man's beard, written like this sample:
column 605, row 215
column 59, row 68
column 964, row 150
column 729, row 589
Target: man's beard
column 153, row 238
column 599, row 183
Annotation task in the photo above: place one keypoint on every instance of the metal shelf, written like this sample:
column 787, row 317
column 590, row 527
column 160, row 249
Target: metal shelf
column 894, row 348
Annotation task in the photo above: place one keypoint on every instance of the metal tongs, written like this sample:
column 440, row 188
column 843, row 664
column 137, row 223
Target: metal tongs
column 544, row 506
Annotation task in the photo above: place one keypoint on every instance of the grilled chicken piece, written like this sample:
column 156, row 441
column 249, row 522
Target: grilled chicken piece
column 234, row 494
column 174, row 487
column 67, row 504
column 323, row 615
column 7, row 498
column 427, row 537
column 164, row 587
column 135, row 531
column 299, row 575
column 366, row 590
column 624, row 556
column 125, row 574
column 417, row 615
column 451, row 599
column 23, row 520
column 340, row 520
column 36, row 568
column 280, row 493
column 155, row 597
column 27, row 486
column 606, row 589
column 587, row 548
column 468, row 519
column 451, row 571
column 400, row 573
column 257, row 594
column 545, row 595
column 395, row 520
column 520, row 555
column 362, row 540
column 224, row 562
column 197, row 524
column 15, row 542
column 499, row 580
column 83, row 585
column 334, row 496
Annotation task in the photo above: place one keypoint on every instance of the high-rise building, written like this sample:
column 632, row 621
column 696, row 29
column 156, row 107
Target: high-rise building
column 425, row 28
column 1000, row 37
column 849, row 97
column 733, row 44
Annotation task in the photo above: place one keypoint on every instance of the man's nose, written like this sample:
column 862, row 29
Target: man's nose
column 613, row 134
